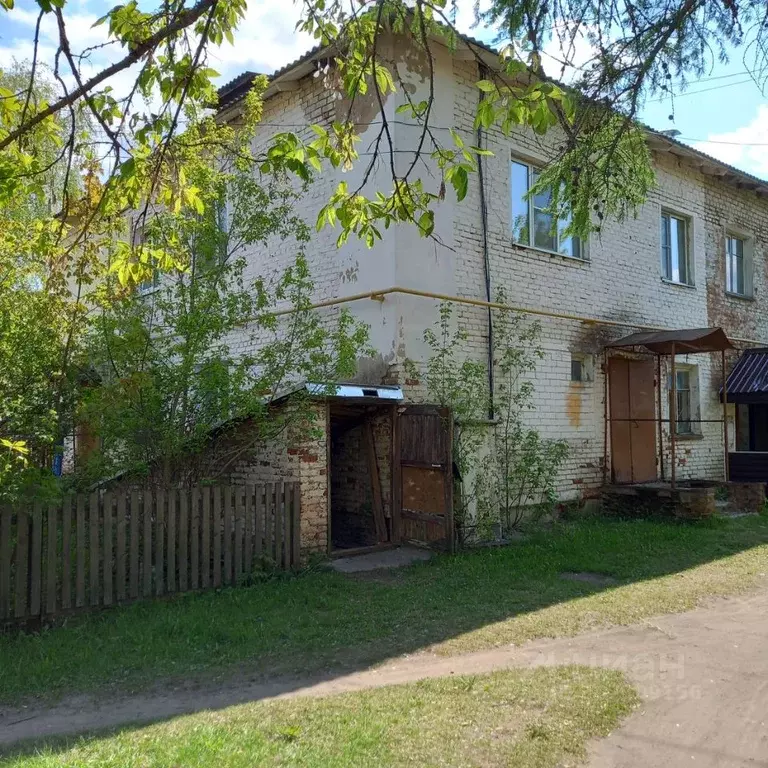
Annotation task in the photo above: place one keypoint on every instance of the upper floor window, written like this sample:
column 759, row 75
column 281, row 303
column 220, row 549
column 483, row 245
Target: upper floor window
column 735, row 265
column 532, row 223
column 675, row 248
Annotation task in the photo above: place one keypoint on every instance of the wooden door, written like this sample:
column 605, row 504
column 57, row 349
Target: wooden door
column 425, row 475
column 633, row 426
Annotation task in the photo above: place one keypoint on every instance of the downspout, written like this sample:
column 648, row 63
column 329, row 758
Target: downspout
column 486, row 258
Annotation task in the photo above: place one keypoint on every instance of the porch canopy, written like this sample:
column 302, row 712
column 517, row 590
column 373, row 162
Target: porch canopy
column 748, row 381
column 679, row 342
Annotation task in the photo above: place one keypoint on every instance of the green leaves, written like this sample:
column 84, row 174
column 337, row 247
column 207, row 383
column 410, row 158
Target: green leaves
column 47, row 5
column 458, row 176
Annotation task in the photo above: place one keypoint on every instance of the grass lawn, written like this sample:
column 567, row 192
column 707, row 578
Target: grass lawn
column 535, row 718
column 451, row 604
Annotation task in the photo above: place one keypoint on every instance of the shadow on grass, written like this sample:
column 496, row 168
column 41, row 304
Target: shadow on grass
column 244, row 644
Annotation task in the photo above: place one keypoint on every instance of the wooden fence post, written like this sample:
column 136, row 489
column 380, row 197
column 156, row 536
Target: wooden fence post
column 183, row 549
column 279, row 524
column 108, row 548
column 239, row 524
column 258, row 544
column 120, row 555
column 133, row 562
column 22, row 560
column 5, row 563
column 172, row 514
column 93, row 552
column 66, row 553
column 36, row 560
column 248, row 526
column 80, row 557
column 51, row 557
column 194, row 540
column 205, row 548
column 216, row 531
column 146, row 549
column 269, row 521
column 296, row 523
column 227, row 534
column 159, row 540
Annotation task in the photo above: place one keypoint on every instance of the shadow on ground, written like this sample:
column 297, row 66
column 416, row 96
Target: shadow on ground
column 212, row 650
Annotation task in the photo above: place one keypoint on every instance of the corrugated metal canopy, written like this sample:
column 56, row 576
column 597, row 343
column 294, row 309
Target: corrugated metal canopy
column 683, row 340
column 748, row 381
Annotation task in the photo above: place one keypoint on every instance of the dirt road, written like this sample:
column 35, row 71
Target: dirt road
column 703, row 677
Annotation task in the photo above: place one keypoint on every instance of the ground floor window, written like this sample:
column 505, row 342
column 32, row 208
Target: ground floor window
column 686, row 400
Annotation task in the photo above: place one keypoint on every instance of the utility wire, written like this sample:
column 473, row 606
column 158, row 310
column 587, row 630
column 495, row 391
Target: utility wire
column 700, row 90
column 728, row 143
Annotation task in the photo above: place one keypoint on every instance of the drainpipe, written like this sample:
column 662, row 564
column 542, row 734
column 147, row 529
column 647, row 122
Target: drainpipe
column 486, row 259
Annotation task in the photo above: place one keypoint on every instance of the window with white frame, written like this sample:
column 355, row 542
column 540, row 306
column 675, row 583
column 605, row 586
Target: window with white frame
column 686, row 400
column 532, row 223
column 735, row 265
column 676, row 248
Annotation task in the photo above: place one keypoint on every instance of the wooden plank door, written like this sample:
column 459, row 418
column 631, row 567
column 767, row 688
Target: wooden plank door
column 633, row 429
column 425, row 482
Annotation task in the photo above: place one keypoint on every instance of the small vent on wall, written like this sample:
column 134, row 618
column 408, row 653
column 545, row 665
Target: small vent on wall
column 370, row 392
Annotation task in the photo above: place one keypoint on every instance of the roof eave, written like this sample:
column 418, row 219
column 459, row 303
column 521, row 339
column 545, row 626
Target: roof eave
column 470, row 49
column 706, row 164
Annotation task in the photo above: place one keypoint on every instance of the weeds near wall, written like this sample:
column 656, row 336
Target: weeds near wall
column 506, row 470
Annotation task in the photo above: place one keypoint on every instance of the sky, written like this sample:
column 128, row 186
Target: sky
column 723, row 114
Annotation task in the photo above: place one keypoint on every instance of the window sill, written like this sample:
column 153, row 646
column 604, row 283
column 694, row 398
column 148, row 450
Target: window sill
column 667, row 281
column 739, row 296
column 688, row 436
column 544, row 252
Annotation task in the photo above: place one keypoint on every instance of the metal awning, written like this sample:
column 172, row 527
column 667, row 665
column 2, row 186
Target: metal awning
column 748, row 381
column 356, row 391
column 683, row 341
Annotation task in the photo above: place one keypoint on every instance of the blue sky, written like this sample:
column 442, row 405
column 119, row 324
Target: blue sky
column 724, row 114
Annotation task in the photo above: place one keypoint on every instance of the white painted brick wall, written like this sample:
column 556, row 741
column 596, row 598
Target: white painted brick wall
column 620, row 282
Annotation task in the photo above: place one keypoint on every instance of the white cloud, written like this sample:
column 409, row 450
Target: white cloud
column 745, row 147
column 265, row 40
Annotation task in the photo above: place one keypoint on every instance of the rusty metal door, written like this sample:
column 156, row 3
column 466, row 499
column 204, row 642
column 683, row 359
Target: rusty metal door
column 633, row 428
column 425, row 475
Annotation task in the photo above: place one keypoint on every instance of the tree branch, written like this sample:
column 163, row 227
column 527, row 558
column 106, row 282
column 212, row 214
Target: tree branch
column 183, row 20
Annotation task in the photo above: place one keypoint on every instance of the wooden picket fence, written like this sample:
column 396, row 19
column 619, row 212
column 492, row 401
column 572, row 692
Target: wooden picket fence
column 108, row 548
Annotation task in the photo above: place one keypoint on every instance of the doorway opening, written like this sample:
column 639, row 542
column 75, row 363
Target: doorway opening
column 360, row 475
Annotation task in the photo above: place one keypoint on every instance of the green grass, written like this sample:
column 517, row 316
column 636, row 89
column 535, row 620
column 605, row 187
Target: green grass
column 452, row 604
column 529, row 719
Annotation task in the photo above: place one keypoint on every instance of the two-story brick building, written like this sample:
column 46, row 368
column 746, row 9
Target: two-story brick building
column 693, row 257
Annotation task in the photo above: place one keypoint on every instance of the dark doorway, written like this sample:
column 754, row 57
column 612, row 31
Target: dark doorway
column 633, row 429
column 758, row 427
column 361, row 475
